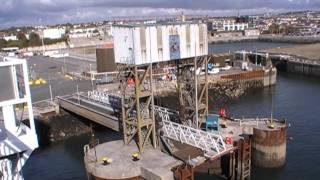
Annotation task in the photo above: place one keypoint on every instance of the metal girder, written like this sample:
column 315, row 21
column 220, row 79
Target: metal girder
column 138, row 105
column 193, row 91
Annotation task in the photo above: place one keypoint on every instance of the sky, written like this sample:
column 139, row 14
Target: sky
column 39, row 12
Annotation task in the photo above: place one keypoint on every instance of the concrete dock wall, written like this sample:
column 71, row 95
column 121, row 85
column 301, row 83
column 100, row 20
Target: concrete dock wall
column 214, row 40
column 298, row 65
column 302, row 68
column 267, row 38
column 270, row 77
column 289, row 39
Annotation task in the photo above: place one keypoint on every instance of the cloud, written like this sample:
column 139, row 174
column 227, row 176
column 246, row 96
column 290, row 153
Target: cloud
column 28, row 12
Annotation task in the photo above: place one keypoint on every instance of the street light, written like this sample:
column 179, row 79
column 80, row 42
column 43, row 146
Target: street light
column 256, row 55
column 64, row 64
column 50, row 88
column 91, row 76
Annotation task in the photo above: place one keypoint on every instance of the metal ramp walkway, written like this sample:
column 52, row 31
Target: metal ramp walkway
column 211, row 144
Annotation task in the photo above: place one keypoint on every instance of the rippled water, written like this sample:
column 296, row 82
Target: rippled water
column 295, row 98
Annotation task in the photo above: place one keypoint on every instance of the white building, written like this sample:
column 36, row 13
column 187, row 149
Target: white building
column 251, row 32
column 142, row 44
column 54, row 33
column 10, row 38
column 83, row 32
column 105, row 30
column 232, row 25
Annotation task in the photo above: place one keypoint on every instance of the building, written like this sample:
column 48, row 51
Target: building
column 233, row 25
column 10, row 38
column 84, row 32
column 105, row 58
column 251, row 32
column 141, row 44
column 54, row 33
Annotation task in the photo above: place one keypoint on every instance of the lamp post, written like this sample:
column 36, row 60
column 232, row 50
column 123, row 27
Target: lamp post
column 91, row 79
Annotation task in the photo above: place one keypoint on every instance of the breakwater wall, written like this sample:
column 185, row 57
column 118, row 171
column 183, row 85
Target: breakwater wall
column 214, row 40
column 289, row 39
column 266, row 38
column 235, row 85
column 297, row 65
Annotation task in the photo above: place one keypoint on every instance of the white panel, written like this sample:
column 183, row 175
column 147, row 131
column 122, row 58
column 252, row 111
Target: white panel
column 154, row 44
column 137, row 45
column 192, row 40
column 122, row 44
column 149, row 45
column 183, row 41
column 197, row 40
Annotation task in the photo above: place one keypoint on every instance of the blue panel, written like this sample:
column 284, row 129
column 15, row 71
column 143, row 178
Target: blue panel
column 174, row 45
column 212, row 122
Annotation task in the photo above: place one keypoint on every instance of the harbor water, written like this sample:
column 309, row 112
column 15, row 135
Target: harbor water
column 295, row 98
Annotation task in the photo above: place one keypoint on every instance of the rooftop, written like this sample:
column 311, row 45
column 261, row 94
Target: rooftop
column 156, row 24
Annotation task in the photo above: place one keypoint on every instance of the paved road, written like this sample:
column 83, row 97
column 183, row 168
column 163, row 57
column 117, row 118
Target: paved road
column 50, row 69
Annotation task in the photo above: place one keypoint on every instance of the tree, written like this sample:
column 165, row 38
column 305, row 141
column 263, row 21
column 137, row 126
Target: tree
column 23, row 41
column 34, row 39
column 3, row 43
column 21, row 36
column 274, row 28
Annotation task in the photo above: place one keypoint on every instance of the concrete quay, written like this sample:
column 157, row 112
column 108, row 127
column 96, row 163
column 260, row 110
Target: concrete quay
column 154, row 164
column 301, row 59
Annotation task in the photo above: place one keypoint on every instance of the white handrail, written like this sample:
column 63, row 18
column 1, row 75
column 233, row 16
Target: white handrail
column 210, row 143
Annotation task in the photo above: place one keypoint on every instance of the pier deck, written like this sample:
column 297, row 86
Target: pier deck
column 153, row 164
column 90, row 110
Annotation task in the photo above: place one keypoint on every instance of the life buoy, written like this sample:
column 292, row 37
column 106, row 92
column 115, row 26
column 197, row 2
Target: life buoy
column 222, row 112
column 228, row 140
column 130, row 82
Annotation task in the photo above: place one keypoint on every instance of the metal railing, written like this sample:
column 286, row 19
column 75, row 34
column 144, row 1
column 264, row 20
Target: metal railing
column 210, row 143
column 166, row 114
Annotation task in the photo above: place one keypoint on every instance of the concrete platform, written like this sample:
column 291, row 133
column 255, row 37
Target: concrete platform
column 235, row 128
column 153, row 164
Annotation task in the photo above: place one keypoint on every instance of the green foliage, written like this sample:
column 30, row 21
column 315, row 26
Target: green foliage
column 23, row 41
column 54, row 41
column 3, row 43
column 34, row 40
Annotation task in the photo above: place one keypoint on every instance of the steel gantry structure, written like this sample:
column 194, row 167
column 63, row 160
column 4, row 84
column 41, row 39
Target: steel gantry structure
column 138, row 117
column 193, row 90
column 138, row 120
